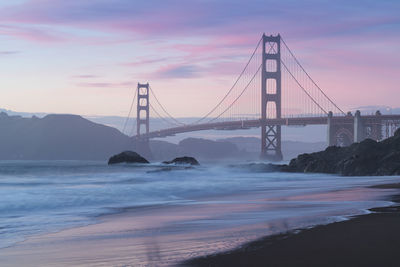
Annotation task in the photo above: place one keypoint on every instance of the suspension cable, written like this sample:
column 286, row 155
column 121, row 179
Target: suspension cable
column 233, row 86
column 305, row 91
column 162, row 107
column 158, row 114
column 245, row 88
column 133, row 129
column 241, row 93
column 129, row 114
column 298, row 63
column 298, row 83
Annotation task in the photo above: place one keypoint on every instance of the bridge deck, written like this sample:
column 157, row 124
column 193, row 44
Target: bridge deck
column 246, row 124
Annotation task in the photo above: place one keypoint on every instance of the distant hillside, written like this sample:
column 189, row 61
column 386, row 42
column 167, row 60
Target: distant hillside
column 208, row 149
column 250, row 147
column 71, row 137
column 292, row 149
column 309, row 135
column 58, row 137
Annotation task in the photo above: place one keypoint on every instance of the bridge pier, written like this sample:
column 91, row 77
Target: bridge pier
column 142, row 105
column 271, row 95
column 330, row 135
column 377, row 126
column 141, row 143
column 368, row 128
column 359, row 131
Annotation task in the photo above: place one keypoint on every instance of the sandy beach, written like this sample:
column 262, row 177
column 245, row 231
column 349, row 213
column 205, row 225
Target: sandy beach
column 366, row 240
column 156, row 236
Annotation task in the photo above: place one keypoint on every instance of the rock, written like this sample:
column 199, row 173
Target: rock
column 183, row 160
column 397, row 132
column 128, row 157
column 359, row 159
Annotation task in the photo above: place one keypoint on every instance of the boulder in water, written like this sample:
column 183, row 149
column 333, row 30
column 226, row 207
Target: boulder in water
column 127, row 157
column 183, row 160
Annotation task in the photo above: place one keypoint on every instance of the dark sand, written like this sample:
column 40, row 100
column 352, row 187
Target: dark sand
column 367, row 240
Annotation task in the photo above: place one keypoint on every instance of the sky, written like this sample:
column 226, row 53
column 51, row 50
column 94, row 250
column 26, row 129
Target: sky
column 87, row 56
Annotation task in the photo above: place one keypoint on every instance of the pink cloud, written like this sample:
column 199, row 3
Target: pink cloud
column 12, row 52
column 29, row 33
column 146, row 61
column 106, row 84
column 174, row 71
column 85, row 76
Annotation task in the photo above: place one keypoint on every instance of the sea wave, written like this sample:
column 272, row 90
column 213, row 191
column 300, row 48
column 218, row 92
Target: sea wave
column 42, row 196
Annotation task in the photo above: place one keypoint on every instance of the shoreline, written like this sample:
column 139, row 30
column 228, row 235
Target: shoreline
column 370, row 239
column 116, row 239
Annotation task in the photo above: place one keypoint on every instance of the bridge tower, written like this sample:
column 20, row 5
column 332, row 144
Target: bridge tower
column 143, row 112
column 271, row 95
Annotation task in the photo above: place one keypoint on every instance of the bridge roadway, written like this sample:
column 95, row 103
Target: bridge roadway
column 246, row 124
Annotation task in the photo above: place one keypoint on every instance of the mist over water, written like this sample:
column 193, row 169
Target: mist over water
column 44, row 196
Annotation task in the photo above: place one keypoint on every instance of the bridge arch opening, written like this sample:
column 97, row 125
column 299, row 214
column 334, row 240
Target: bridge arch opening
column 344, row 137
column 143, row 102
column 271, row 47
column 271, row 110
column 142, row 131
column 142, row 114
column 143, row 91
column 271, row 65
column 271, row 86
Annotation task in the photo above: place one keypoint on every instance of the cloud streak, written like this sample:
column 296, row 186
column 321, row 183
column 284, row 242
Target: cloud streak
column 177, row 72
column 106, row 84
column 29, row 33
column 85, row 76
column 5, row 53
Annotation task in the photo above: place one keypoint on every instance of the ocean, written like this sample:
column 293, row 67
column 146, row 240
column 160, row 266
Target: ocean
column 223, row 202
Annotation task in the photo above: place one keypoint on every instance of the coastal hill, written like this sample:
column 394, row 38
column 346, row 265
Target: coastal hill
column 61, row 137
column 72, row 137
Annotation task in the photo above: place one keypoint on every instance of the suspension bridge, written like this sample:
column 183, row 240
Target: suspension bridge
column 272, row 90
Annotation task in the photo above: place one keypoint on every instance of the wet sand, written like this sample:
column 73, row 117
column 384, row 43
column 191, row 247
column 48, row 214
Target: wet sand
column 366, row 240
column 167, row 235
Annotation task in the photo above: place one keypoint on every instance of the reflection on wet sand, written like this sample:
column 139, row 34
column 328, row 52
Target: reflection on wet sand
column 165, row 235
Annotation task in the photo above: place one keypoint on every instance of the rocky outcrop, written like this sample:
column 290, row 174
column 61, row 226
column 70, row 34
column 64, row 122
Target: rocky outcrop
column 359, row 159
column 183, row 160
column 127, row 157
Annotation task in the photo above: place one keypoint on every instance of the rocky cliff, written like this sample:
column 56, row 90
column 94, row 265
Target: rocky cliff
column 359, row 159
